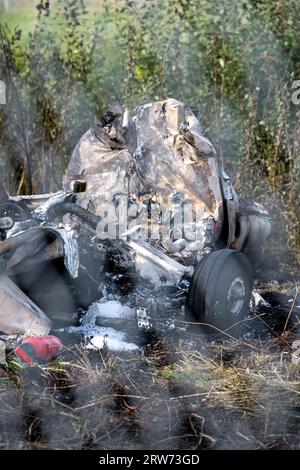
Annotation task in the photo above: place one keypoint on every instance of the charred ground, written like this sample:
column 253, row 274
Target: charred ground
column 183, row 390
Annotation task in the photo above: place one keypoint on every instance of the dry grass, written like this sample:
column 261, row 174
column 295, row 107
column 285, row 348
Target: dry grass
column 220, row 396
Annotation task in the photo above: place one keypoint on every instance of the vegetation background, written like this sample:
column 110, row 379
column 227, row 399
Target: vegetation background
column 235, row 60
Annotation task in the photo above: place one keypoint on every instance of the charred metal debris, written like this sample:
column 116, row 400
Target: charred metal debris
column 147, row 231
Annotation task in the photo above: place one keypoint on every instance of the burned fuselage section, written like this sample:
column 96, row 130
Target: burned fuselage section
column 148, row 197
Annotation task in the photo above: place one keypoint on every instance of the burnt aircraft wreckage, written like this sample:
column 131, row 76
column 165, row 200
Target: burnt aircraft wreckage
column 147, row 221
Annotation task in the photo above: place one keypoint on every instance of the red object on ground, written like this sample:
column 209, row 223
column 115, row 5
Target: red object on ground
column 39, row 349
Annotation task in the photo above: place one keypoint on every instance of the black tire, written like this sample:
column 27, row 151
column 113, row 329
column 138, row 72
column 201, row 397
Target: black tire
column 17, row 211
column 220, row 289
column 253, row 246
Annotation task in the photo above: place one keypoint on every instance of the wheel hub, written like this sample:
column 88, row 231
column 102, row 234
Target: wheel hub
column 14, row 211
column 236, row 296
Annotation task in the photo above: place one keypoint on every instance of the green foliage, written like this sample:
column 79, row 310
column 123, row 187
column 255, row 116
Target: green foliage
column 234, row 60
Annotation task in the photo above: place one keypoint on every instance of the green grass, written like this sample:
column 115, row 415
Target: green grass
column 24, row 18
